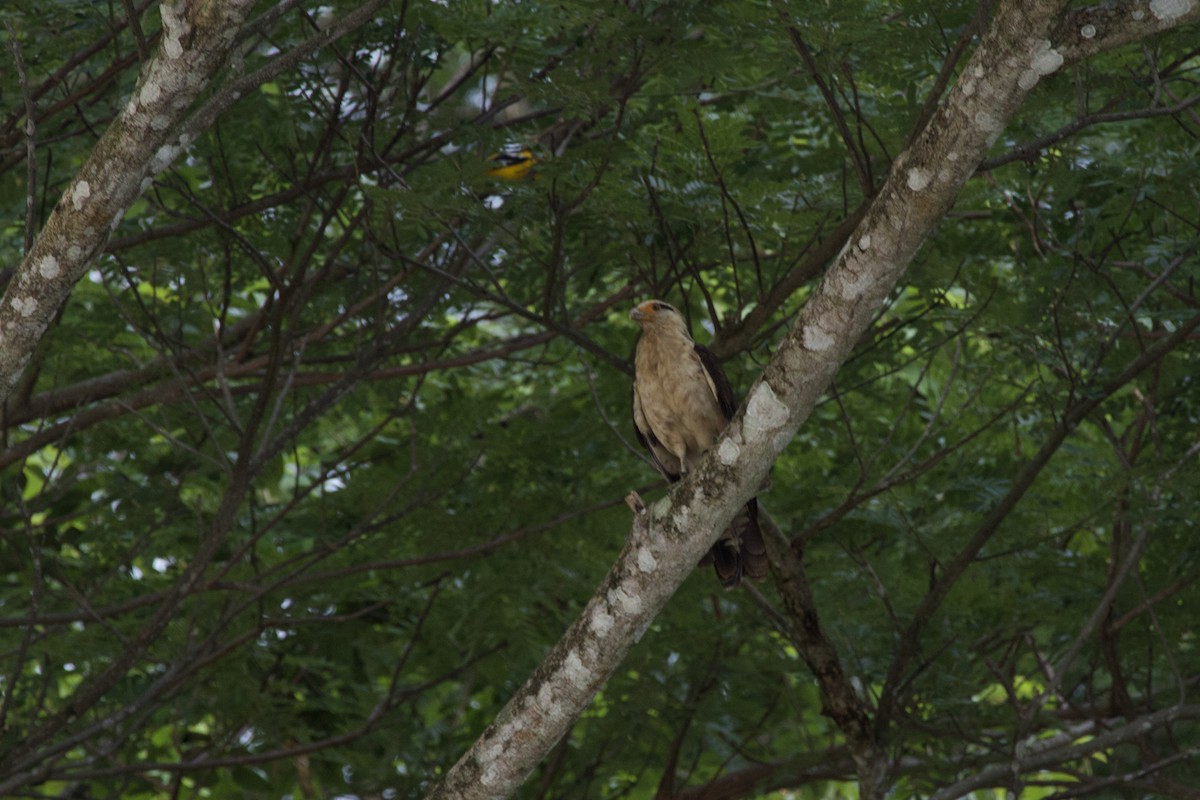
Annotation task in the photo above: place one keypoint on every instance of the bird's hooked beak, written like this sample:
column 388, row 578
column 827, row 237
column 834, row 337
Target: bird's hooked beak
column 641, row 313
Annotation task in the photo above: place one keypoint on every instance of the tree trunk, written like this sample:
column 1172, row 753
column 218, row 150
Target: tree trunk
column 195, row 40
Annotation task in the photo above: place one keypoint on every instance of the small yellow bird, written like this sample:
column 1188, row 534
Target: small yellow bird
column 514, row 163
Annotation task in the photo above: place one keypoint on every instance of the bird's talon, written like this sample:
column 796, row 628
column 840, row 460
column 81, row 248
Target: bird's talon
column 635, row 503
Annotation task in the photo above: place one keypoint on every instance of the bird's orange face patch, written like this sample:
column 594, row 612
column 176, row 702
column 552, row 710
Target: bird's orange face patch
column 646, row 311
column 643, row 311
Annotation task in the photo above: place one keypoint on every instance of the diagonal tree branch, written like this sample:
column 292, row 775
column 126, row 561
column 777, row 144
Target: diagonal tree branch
column 142, row 141
column 1084, row 32
column 1012, row 56
column 195, row 42
column 1047, row 753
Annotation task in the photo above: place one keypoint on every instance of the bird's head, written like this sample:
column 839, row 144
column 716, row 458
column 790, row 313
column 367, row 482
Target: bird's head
column 656, row 314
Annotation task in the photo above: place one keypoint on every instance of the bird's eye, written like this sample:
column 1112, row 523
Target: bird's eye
column 661, row 307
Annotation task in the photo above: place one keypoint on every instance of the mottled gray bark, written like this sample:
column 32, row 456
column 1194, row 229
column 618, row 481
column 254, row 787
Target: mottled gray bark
column 196, row 38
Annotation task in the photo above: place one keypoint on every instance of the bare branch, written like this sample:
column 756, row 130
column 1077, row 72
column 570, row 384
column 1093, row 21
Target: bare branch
column 1047, row 753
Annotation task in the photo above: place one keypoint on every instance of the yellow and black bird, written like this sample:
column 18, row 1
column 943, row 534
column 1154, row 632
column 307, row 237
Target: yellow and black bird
column 513, row 163
column 682, row 401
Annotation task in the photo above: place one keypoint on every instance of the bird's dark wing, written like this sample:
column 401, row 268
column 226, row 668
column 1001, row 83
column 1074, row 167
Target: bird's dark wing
column 725, row 397
column 667, row 464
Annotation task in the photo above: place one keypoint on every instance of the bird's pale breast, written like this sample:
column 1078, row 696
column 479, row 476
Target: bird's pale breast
column 677, row 397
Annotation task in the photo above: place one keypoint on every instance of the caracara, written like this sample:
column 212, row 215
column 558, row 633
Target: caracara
column 681, row 403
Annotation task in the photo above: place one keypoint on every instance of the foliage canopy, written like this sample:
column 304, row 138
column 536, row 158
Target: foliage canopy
column 332, row 443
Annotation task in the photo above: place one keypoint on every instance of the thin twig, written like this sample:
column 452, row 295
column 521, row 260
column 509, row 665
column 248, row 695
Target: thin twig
column 14, row 46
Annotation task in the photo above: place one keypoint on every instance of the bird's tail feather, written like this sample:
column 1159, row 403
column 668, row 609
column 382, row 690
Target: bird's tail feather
column 753, row 548
column 741, row 550
column 727, row 563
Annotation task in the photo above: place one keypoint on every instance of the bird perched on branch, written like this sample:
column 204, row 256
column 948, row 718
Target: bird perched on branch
column 681, row 403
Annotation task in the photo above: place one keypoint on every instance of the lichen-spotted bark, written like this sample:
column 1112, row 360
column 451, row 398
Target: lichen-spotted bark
column 645, row 576
column 1015, row 54
column 196, row 39
column 1092, row 29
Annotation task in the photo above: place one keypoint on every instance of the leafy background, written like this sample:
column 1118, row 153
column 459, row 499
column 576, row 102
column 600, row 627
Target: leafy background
column 330, row 446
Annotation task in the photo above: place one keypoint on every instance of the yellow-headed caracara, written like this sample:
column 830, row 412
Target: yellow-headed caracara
column 681, row 403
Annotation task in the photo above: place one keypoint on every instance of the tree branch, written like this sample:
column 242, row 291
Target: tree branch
column 1046, row 753
column 193, row 46
column 672, row 535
